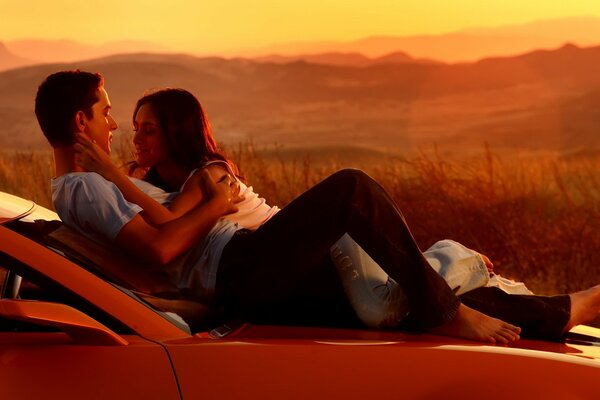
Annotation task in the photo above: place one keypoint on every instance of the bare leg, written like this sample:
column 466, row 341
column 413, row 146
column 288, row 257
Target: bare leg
column 473, row 325
column 585, row 306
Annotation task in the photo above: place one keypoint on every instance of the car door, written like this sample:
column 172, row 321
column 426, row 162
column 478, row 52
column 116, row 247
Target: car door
column 53, row 346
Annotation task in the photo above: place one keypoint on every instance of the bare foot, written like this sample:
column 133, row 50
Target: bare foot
column 473, row 325
column 585, row 306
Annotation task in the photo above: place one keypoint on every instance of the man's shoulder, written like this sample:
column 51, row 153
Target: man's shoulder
column 75, row 180
column 91, row 204
column 77, row 177
column 81, row 185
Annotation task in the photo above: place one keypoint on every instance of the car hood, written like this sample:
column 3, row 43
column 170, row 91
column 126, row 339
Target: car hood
column 581, row 345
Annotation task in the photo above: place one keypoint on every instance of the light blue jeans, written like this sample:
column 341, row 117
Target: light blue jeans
column 379, row 301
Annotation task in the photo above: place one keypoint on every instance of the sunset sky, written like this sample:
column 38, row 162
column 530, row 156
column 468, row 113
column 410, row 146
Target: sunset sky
column 227, row 26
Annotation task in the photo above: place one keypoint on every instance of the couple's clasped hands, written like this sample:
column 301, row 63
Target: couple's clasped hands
column 220, row 189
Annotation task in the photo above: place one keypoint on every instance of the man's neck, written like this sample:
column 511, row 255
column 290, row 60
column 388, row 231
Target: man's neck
column 64, row 161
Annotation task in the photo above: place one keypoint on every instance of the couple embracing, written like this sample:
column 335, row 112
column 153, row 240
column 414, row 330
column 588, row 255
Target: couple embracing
column 194, row 216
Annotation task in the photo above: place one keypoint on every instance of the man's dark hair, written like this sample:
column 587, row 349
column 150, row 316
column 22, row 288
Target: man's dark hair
column 60, row 97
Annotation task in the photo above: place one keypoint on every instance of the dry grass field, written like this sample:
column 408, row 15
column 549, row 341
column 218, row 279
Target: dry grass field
column 535, row 215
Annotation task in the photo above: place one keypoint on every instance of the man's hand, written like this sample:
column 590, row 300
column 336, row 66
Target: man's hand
column 91, row 157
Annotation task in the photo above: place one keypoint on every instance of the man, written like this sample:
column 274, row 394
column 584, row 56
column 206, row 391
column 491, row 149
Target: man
column 69, row 103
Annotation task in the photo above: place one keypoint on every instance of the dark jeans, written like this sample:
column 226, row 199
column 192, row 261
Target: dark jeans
column 282, row 273
column 261, row 270
column 542, row 317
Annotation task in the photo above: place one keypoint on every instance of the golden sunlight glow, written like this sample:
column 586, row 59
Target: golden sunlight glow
column 227, row 26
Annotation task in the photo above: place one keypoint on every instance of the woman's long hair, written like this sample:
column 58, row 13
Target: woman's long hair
column 186, row 129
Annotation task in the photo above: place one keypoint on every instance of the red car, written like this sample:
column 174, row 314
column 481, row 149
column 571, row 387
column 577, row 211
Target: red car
column 81, row 322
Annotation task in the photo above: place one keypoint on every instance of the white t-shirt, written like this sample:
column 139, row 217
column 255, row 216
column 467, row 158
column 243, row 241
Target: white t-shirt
column 252, row 212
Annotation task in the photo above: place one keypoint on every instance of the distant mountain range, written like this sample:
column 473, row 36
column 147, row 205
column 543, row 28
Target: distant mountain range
column 16, row 53
column 463, row 46
column 346, row 59
column 546, row 99
column 9, row 60
column 50, row 52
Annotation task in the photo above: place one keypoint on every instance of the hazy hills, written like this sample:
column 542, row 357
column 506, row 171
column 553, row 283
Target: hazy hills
column 9, row 60
column 540, row 100
column 462, row 46
column 346, row 59
column 37, row 51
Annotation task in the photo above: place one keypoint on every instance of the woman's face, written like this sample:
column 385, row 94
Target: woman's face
column 151, row 148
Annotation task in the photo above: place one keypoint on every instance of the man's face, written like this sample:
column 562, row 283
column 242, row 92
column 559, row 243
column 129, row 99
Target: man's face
column 100, row 126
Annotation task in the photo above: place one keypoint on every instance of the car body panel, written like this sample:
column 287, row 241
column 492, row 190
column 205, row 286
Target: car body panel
column 106, row 296
column 292, row 370
column 80, row 327
column 159, row 359
column 358, row 364
column 49, row 366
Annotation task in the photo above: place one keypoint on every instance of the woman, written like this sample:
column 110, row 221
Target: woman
column 173, row 139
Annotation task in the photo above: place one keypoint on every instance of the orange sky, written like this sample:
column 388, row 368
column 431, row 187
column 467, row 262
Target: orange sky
column 223, row 26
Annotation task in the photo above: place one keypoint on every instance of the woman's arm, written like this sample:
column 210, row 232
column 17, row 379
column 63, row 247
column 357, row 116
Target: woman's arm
column 156, row 244
column 191, row 194
column 92, row 158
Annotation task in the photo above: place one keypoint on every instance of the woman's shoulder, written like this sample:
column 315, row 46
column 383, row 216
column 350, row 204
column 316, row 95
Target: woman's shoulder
column 217, row 169
column 222, row 164
column 195, row 177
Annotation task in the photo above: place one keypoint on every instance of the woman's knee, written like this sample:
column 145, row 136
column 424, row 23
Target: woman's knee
column 351, row 184
column 352, row 176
